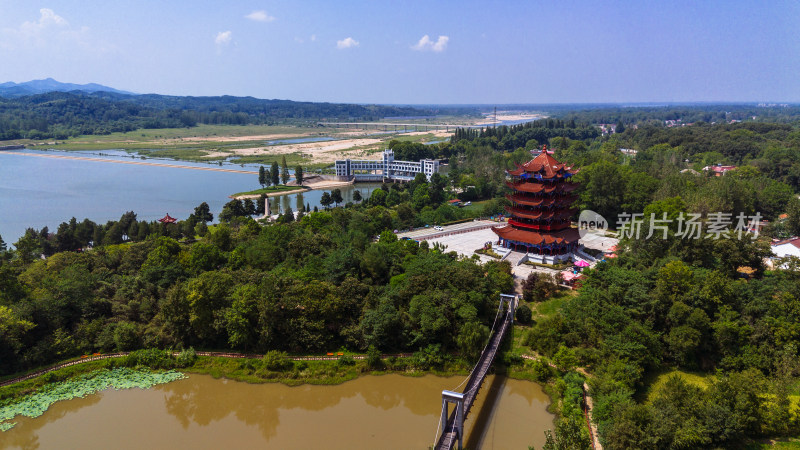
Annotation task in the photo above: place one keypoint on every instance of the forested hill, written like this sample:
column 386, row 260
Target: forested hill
column 63, row 114
column 677, row 114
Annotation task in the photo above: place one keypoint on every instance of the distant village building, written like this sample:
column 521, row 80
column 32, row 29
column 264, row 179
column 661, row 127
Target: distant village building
column 718, row 170
column 384, row 169
column 541, row 207
column 788, row 247
column 628, row 151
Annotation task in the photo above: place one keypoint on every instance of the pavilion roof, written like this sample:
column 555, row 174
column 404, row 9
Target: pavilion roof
column 167, row 219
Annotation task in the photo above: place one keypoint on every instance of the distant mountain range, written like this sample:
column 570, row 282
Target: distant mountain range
column 11, row 89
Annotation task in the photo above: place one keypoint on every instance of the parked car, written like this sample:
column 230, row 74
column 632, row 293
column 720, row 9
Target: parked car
column 438, row 228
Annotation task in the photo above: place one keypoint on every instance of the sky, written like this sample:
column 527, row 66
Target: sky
column 413, row 52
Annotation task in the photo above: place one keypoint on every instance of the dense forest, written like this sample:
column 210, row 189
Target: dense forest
column 683, row 114
column 318, row 283
column 707, row 307
column 61, row 115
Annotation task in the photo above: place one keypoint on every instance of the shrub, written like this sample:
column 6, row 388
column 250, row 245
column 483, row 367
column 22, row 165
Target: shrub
column 541, row 370
column 524, row 314
column 186, row 357
column 277, row 361
column 374, row 358
column 346, row 360
column 151, row 357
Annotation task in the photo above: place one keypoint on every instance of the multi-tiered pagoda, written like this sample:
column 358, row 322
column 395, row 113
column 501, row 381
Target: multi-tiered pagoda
column 540, row 210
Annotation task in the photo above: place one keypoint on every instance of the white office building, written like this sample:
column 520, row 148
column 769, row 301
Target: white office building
column 385, row 169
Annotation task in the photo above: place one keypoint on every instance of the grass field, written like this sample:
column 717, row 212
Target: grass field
column 476, row 207
column 551, row 306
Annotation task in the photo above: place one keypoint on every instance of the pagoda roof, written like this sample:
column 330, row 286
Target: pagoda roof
column 565, row 236
column 538, row 187
column 560, row 214
column 167, row 219
column 544, row 164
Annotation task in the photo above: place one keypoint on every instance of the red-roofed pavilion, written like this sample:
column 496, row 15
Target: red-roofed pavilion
column 167, row 219
column 541, row 208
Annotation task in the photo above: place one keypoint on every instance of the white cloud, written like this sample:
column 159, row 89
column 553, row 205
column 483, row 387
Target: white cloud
column 223, row 37
column 260, row 16
column 313, row 37
column 346, row 43
column 425, row 44
column 51, row 31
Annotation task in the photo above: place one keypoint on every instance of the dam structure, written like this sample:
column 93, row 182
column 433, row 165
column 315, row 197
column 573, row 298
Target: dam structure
column 385, row 169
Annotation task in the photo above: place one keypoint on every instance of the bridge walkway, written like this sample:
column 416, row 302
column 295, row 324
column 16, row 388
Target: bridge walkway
column 503, row 322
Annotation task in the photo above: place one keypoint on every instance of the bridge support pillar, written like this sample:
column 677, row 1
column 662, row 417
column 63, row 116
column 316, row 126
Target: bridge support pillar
column 456, row 398
column 512, row 303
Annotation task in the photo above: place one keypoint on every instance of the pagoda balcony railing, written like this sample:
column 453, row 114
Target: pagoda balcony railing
column 541, row 227
column 556, row 199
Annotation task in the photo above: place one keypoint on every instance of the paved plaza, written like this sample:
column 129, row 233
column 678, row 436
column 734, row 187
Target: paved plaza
column 598, row 242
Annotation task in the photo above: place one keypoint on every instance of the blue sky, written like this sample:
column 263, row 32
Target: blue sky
column 413, row 52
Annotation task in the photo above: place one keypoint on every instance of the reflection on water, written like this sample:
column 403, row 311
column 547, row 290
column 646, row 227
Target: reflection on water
column 388, row 411
column 281, row 203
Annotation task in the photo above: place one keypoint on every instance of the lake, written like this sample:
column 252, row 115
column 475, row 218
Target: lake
column 43, row 191
column 386, row 412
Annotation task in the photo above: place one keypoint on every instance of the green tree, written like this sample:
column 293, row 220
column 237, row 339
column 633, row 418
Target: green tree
column 357, row 195
column 274, row 173
column 378, row 197
column 249, row 207
column 261, row 204
column 203, row 213
column 373, row 359
column 262, row 176
column 523, row 314
column 326, row 199
column 284, row 171
column 436, row 189
column 565, row 359
column 336, row 196
column 472, row 338
column 298, row 174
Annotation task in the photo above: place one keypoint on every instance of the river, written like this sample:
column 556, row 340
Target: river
column 371, row 412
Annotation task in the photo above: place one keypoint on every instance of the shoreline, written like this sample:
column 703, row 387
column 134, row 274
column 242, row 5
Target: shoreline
column 271, row 194
column 325, row 184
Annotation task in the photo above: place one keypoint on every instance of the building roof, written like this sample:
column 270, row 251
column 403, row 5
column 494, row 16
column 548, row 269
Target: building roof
column 566, row 236
column 167, row 219
column 544, row 164
column 534, row 215
column 719, row 168
column 539, row 187
column 788, row 247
